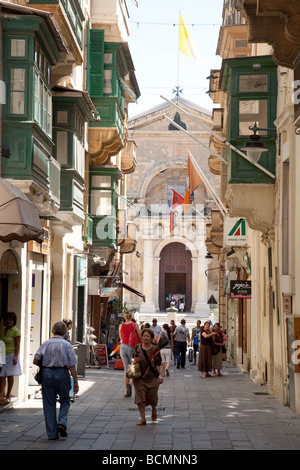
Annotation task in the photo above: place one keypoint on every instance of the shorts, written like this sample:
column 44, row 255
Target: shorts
column 166, row 354
column 126, row 353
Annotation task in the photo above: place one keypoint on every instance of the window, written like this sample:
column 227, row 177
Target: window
column 42, row 91
column 17, row 47
column 241, row 43
column 107, row 85
column 101, row 202
column 101, row 181
column 17, row 91
column 251, row 111
column 103, row 199
column 249, row 83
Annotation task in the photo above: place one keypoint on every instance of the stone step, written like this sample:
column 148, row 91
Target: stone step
column 166, row 317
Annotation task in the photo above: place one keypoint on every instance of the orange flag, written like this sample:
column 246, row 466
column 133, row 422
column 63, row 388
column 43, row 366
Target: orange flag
column 193, row 180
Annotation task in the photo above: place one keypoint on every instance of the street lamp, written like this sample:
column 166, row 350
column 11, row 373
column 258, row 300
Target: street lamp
column 212, row 302
column 253, row 147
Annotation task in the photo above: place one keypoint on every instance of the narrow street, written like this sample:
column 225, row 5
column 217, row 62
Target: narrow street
column 194, row 414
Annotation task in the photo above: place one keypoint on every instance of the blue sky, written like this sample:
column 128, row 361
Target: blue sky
column 154, row 44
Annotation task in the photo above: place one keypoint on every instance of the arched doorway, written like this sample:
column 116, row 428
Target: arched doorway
column 175, row 275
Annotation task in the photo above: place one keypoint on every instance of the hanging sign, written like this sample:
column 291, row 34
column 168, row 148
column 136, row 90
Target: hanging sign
column 112, row 292
column 240, row 289
column 235, row 231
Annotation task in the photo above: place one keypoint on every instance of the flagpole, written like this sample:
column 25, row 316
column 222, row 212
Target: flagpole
column 222, row 139
column 195, row 138
column 178, row 54
column 209, row 186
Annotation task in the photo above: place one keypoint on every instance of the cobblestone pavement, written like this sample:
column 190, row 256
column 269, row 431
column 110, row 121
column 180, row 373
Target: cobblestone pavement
column 194, row 414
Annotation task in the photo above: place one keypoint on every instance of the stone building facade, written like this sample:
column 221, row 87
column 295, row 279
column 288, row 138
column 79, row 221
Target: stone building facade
column 169, row 262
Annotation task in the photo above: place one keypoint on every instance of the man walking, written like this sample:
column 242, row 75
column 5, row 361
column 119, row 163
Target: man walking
column 182, row 336
column 157, row 330
column 57, row 358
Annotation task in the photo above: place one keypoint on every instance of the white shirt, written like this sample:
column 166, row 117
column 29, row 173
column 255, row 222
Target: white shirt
column 156, row 330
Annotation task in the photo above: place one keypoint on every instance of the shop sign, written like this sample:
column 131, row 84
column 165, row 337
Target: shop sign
column 240, row 289
column 42, row 248
column 100, row 355
column 81, row 271
column 235, row 231
column 111, row 292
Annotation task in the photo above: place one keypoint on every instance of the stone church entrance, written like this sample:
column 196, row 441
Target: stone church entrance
column 175, row 276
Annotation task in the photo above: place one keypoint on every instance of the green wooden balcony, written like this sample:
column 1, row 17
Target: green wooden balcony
column 87, row 229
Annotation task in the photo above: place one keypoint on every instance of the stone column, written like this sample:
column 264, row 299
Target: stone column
column 200, row 306
column 148, row 285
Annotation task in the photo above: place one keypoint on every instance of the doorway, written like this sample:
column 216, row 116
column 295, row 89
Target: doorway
column 3, row 294
column 175, row 275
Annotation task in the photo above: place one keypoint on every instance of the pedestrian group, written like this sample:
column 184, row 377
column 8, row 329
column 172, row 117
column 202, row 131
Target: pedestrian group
column 150, row 347
column 147, row 348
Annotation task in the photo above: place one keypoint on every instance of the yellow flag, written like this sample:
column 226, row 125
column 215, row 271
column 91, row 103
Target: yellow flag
column 186, row 44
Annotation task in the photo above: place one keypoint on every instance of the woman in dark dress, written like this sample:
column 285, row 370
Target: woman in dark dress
column 146, row 386
column 205, row 355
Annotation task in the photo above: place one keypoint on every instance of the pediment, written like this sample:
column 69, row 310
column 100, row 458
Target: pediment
column 153, row 119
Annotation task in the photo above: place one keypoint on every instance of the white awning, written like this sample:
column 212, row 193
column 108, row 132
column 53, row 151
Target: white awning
column 19, row 217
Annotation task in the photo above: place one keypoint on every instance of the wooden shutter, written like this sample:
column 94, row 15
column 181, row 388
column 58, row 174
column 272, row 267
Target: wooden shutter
column 96, row 63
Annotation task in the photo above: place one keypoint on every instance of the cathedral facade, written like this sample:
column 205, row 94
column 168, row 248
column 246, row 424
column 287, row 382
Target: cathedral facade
column 170, row 264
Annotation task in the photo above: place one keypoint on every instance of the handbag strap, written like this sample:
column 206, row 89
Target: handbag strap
column 148, row 359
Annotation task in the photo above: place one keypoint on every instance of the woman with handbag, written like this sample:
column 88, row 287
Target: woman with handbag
column 205, row 354
column 147, row 355
column 130, row 336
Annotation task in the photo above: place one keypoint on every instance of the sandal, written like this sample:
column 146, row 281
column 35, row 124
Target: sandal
column 4, row 401
column 142, row 422
column 154, row 414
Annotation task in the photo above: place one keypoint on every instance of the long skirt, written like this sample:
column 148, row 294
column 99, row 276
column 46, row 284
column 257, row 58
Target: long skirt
column 146, row 391
column 205, row 358
column 217, row 361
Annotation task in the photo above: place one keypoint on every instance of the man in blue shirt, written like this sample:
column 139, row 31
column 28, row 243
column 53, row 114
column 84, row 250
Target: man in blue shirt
column 57, row 358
